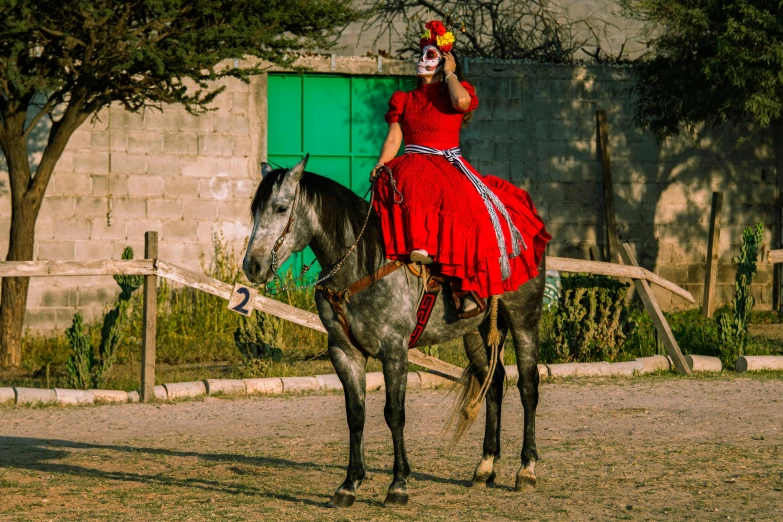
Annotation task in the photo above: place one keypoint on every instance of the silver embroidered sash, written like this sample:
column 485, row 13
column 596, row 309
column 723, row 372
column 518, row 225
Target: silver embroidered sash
column 455, row 158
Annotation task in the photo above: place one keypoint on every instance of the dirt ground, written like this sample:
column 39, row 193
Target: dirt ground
column 655, row 448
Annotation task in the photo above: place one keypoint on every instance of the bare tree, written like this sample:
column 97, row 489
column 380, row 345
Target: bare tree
column 538, row 30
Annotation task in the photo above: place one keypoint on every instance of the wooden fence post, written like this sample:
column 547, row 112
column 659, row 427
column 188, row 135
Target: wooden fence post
column 711, row 272
column 651, row 305
column 606, row 164
column 150, row 321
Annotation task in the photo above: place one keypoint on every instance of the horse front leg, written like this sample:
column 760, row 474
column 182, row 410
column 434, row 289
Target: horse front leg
column 395, row 374
column 350, row 367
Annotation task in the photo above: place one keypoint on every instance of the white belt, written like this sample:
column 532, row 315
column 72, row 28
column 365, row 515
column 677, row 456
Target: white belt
column 455, row 158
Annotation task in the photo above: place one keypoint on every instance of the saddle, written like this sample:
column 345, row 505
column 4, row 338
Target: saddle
column 433, row 283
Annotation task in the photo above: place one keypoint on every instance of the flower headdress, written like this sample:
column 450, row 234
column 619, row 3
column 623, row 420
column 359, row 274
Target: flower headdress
column 437, row 35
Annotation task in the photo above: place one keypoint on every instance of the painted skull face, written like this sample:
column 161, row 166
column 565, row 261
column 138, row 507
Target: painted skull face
column 430, row 62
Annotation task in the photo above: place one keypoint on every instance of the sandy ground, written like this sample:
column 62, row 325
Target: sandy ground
column 660, row 448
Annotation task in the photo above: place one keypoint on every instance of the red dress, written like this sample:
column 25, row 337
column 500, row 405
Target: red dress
column 441, row 211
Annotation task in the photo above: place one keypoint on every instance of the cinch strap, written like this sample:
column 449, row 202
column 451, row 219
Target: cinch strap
column 455, row 158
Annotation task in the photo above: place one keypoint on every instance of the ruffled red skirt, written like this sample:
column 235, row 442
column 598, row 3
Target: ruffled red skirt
column 442, row 213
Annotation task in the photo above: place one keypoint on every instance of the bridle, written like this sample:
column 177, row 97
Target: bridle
column 337, row 266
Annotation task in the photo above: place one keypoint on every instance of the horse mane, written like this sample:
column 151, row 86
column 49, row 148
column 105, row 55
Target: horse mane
column 336, row 207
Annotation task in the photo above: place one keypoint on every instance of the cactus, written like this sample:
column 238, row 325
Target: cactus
column 84, row 369
column 591, row 321
column 80, row 362
column 733, row 326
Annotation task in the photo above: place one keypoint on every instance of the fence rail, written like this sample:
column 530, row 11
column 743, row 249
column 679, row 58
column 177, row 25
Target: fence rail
column 174, row 272
column 76, row 268
column 178, row 274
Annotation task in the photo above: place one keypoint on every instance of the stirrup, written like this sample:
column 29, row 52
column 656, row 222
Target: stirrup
column 421, row 256
column 459, row 300
column 468, row 304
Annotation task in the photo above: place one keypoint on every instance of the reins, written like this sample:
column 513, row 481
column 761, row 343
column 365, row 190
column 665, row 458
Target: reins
column 335, row 268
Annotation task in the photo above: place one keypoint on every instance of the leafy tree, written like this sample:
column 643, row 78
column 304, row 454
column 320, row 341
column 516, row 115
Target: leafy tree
column 711, row 62
column 64, row 60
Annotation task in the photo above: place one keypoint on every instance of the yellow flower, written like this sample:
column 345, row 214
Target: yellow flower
column 427, row 35
column 446, row 39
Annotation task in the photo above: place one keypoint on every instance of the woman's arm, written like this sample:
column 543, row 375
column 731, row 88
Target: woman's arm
column 460, row 99
column 390, row 147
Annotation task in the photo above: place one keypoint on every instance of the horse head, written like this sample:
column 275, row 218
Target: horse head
column 279, row 221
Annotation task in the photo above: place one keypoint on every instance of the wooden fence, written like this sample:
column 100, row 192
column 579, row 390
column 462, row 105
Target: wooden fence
column 152, row 268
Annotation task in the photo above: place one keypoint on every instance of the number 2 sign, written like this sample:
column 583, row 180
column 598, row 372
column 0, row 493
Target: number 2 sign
column 242, row 299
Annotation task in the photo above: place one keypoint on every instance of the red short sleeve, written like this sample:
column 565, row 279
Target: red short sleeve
column 473, row 97
column 396, row 106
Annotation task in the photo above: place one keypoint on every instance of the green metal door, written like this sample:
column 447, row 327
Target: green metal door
column 338, row 120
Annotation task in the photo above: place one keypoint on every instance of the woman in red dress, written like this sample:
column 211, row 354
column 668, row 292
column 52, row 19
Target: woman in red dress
column 433, row 205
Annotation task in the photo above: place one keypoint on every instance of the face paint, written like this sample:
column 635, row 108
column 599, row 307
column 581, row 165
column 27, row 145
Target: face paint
column 430, row 61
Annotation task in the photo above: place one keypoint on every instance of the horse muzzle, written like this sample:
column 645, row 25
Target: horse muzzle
column 255, row 271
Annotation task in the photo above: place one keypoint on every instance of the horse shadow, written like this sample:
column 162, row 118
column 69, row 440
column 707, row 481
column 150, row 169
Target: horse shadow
column 41, row 455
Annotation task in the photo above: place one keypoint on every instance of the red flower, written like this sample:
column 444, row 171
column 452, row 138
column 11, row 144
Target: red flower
column 436, row 27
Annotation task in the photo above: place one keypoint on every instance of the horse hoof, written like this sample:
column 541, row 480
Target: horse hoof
column 525, row 482
column 395, row 499
column 482, row 481
column 341, row 500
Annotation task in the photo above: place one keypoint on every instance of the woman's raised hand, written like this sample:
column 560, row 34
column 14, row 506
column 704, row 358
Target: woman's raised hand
column 449, row 63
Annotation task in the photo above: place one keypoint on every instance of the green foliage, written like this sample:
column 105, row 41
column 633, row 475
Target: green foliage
column 642, row 340
column 711, row 62
column 84, row 369
column 82, row 360
column 591, row 322
column 258, row 340
column 138, row 53
column 733, row 326
column 432, row 351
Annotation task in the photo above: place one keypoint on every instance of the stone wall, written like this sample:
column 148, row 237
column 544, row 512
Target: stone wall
column 188, row 177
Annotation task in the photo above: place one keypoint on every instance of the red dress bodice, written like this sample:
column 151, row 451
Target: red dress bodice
column 427, row 116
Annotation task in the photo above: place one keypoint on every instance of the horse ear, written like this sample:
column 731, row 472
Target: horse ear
column 295, row 173
column 266, row 169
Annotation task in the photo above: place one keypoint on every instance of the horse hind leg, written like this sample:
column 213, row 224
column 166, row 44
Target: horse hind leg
column 523, row 313
column 479, row 354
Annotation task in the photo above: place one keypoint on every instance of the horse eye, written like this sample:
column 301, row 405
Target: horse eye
column 282, row 210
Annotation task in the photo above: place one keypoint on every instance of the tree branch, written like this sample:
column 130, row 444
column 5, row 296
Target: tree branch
column 46, row 109
column 62, row 35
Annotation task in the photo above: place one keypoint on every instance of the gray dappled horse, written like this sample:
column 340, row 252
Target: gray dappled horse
column 328, row 217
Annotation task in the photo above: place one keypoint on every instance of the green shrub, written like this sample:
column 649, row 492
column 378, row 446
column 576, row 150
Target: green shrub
column 258, row 340
column 591, row 322
column 733, row 326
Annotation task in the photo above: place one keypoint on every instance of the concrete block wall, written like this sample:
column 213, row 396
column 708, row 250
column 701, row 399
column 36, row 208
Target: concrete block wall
column 188, row 177
column 536, row 125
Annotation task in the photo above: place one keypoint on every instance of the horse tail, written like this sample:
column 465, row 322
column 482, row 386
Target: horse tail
column 468, row 404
